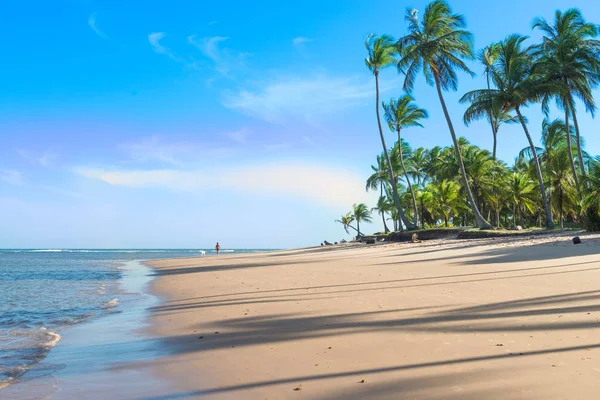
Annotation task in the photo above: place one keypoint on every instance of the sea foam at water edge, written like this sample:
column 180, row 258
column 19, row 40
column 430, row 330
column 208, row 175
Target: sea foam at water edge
column 111, row 304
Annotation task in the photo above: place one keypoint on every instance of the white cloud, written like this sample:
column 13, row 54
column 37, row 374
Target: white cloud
column 224, row 60
column 92, row 23
column 64, row 192
column 335, row 187
column 12, row 177
column 154, row 39
column 301, row 98
column 45, row 159
column 300, row 41
column 240, row 136
column 308, row 140
column 157, row 149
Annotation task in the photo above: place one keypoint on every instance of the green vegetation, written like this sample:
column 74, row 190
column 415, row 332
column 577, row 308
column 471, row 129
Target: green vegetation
column 463, row 185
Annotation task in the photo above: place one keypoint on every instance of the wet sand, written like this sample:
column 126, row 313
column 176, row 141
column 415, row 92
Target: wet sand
column 487, row 319
column 106, row 358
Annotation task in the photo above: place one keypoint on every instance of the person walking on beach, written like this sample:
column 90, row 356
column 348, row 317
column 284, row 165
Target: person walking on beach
column 217, row 248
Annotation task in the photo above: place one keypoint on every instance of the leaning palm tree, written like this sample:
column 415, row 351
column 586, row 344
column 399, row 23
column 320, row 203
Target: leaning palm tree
column 381, row 55
column 437, row 46
column 516, row 87
column 404, row 113
column 383, row 206
column 360, row 212
column 569, row 58
column 346, row 220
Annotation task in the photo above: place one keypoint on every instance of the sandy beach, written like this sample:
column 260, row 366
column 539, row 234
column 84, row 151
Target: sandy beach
column 480, row 319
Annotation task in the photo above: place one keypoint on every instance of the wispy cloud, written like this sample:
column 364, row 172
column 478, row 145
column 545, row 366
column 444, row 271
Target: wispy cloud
column 93, row 24
column 308, row 140
column 321, row 184
column 240, row 136
column 224, row 60
column 154, row 39
column 300, row 41
column 305, row 98
column 45, row 159
column 155, row 149
column 12, row 177
column 65, row 192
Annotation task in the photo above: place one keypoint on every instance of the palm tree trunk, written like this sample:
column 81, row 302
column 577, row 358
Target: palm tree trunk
column 570, row 151
column 384, row 224
column 422, row 214
column 412, row 192
column 490, row 117
column 538, row 170
column 358, row 227
column 479, row 220
column 560, row 196
column 387, row 157
column 383, row 212
column 579, row 152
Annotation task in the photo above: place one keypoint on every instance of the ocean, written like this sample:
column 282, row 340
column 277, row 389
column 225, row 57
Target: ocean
column 44, row 292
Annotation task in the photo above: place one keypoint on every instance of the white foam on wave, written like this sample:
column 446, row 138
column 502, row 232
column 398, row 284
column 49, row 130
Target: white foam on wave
column 51, row 251
column 113, row 303
column 53, row 339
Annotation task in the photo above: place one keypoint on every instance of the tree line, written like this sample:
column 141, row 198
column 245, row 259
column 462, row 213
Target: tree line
column 464, row 185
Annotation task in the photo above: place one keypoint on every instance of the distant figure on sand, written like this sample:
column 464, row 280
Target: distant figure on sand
column 218, row 247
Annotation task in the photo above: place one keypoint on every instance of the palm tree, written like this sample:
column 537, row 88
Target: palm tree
column 437, row 47
column 516, row 87
column 520, row 189
column 381, row 55
column 446, row 196
column 569, row 58
column 487, row 57
column 346, row 220
column 592, row 200
column 403, row 113
column 360, row 212
column 379, row 178
column 383, row 206
column 416, row 165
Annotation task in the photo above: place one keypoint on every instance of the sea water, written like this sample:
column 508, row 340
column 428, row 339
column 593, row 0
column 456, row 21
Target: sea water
column 44, row 292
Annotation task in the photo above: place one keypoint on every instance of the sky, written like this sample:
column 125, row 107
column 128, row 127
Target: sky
column 129, row 124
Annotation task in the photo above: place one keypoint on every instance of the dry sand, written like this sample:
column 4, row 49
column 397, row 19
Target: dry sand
column 488, row 319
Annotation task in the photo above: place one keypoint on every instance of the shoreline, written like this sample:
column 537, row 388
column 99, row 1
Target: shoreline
column 102, row 357
column 489, row 318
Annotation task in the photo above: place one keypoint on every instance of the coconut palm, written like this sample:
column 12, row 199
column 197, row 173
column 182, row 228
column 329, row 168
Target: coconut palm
column 360, row 212
column 496, row 116
column 592, row 200
column 446, row 195
column 380, row 178
column 404, row 113
column 384, row 205
column 521, row 191
column 569, row 58
column 437, row 46
column 487, row 57
column 416, row 165
column 346, row 220
column 381, row 55
column 516, row 87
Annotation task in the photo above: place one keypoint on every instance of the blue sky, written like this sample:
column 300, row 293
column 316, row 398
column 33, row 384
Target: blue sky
column 177, row 124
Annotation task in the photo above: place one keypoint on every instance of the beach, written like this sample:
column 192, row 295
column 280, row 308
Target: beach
column 510, row 318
